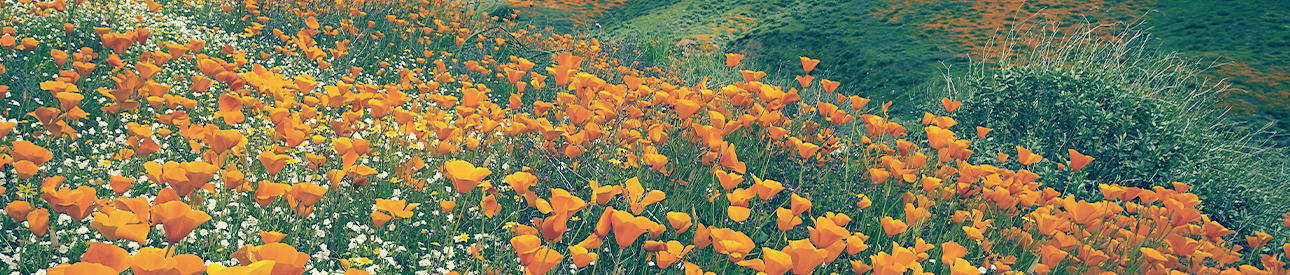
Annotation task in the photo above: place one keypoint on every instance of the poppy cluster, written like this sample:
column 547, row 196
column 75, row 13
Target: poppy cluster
column 537, row 161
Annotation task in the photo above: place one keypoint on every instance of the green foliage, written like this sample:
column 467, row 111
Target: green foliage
column 1133, row 136
column 1146, row 116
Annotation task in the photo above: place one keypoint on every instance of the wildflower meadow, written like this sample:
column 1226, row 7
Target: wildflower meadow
column 432, row 137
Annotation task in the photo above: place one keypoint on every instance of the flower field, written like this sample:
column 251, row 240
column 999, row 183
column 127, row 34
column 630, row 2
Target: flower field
column 430, row 137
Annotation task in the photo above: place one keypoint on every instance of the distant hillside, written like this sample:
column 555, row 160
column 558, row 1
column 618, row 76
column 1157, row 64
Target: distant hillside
column 885, row 48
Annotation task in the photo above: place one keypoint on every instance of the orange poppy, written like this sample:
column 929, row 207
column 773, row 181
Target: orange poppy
column 81, row 268
column 490, row 206
column 18, row 210
column 271, row 237
column 178, row 219
column 830, row 86
column 121, row 225
column 627, row 227
column 38, row 221
column 582, row 256
column 1026, row 157
column 950, row 105
column 108, row 255
column 982, row 131
column 78, row 203
column 734, row 244
column 785, row 220
column 464, row 175
column 638, row 199
column 679, row 221
column 1078, row 161
column 808, row 64
column 950, row 251
column 273, row 163
column 893, row 226
column 733, row 59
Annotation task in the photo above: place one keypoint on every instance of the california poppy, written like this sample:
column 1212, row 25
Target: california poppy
column 638, row 199
column 733, row 59
column 679, row 221
column 1026, row 157
column 893, row 226
column 464, row 175
column 808, row 64
column 1078, row 161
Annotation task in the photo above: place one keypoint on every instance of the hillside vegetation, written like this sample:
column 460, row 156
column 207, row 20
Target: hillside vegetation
column 453, row 137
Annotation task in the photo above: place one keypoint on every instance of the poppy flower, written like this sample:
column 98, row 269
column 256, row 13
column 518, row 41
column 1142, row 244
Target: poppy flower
column 1078, row 161
column 785, row 220
column 734, row 244
column 893, row 226
column 808, row 64
column 766, row 188
column 108, row 255
column 38, row 221
column 638, row 199
column 864, row 201
column 830, row 86
column 738, row 213
column 81, row 268
column 728, row 181
column 18, row 210
column 950, row 251
column 805, row 257
column 805, row 81
column 1026, row 157
column 672, row 252
column 733, row 59
column 78, row 203
column 679, row 221
column 273, row 163
column 464, row 175
column 950, row 105
column 271, row 237
column 285, row 258
column 178, row 219
column 627, row 227
column 490, row 206
column 973, row 233
column 731, row 161
column 581, row 256
column 982, row 131
column 121, row 225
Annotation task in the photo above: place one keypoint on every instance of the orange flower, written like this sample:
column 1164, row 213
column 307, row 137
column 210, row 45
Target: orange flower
column 78, row 203
column 222, row 140
column 1078, row 161
column 581, row 256
column 808, row 64
column 18, row 210
column 766, row 188
column 38, row 220
column 490, row 206
column 805, row 256
column 731, row 161
column 950, row 105
column 734, row 244
column 679, row 221
column 120, row 184
column 864, row 202
column 673, row 251
column 285, row 258
column 464, row 175
column 738, row 213
column 81, row 268
column 950, row 251
column 30, row 44
column 25, row 150
column 271, row 237
column 893, row 226
column 1258, row 240
column 121, row 224
column 273, row 163
column 178, row 219
column 805, row 81
column 627, row 227
column 108, row 255
column 973, row 233
column 1026, row 157
column 733, row 59
column 785, row 220
column 728, row 180
column 830, row 86
column 962, row 267
column 60, row 57
column 982, row 131
column 638, row 199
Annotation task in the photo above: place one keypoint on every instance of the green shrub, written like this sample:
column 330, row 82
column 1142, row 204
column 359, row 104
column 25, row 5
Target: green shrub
column 1146, row 116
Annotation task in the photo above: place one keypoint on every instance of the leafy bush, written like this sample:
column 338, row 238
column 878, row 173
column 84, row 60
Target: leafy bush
column 1146, row 116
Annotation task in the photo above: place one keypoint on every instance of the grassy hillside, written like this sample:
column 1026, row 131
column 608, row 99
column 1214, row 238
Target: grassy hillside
column 884, row 49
